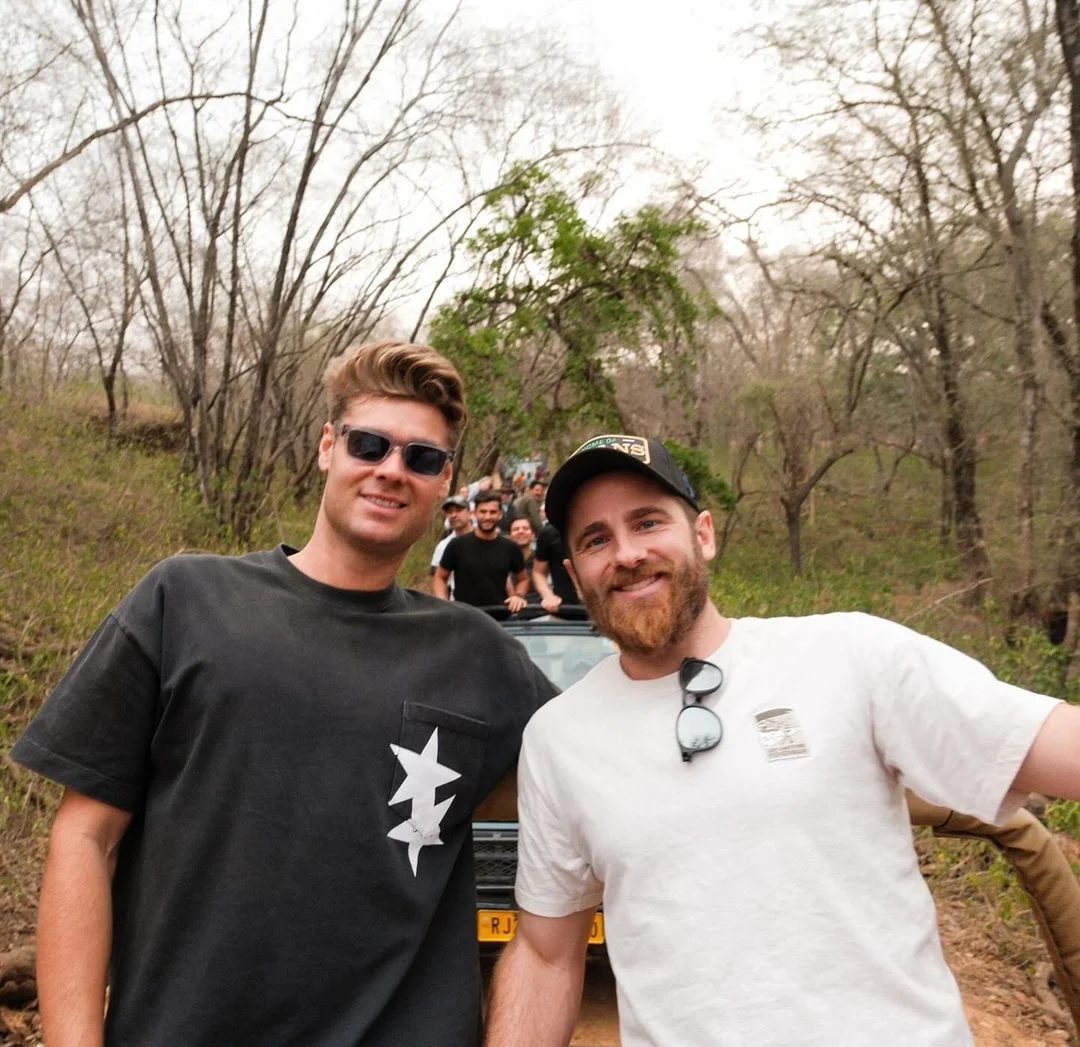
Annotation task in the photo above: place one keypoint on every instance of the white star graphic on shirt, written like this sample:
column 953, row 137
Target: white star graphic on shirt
column 423, row 775
column 423, row 772
column 421, row 830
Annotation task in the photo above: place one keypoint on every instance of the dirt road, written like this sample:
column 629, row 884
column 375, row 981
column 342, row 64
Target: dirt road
column 598, row 1024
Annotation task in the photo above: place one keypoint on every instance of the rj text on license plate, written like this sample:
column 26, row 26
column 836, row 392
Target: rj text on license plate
column 499, row 925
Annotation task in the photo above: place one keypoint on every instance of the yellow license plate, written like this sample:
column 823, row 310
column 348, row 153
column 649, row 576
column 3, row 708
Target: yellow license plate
column 498, row 925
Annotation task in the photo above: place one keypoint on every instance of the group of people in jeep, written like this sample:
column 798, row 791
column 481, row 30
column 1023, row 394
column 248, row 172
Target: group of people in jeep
column 500, row 549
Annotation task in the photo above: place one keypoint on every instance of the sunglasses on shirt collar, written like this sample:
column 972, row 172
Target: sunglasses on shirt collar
column 371, row 447
column 697, row 728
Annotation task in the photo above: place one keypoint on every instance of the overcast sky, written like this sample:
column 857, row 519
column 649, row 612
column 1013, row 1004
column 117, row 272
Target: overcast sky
column 679, row 64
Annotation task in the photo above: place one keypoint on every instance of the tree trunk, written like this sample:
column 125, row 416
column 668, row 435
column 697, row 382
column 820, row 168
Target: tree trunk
column 1026, row 332
column 793, row 519
column 1067, row 584
column 109, row 382
column 948, row 514
column 489, row 458
column 960, row 450
column 969, row 533
column 959, row 446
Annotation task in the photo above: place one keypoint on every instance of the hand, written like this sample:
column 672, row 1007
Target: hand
column 515, row 603
column 551, row 603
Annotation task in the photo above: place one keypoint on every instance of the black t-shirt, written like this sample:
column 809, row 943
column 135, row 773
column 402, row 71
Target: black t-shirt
column 480, row 567
column 549, row 550
column 302, row 763
column 510, row 514
column 531, row 595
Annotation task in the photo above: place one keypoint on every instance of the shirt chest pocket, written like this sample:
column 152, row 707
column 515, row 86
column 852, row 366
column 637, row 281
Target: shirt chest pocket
column 439, row 760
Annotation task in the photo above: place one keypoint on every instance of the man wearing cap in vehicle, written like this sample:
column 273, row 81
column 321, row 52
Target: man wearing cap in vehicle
column 732, row 790
column 459, row 521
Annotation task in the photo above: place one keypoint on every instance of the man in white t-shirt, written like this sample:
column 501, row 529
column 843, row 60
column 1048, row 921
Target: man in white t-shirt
column 458, row 521
column 733, row 792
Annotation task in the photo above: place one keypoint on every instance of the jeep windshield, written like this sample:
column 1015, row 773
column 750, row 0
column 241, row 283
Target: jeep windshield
column 564, row 658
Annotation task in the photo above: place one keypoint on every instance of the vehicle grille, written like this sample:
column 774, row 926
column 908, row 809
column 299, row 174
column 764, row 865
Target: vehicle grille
column 495, row 859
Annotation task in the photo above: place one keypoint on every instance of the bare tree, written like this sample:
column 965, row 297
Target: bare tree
column 991, row 111
column 886, row 178
column 1066, row 345
column 280, row 227
column 95, row 254
column 23, row 259
column 807, row 332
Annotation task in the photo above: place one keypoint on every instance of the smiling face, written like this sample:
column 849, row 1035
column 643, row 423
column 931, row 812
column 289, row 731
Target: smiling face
column 521, row 532
column 381, row 509
column 638, row 562
column 459, row 518
column 488, row 515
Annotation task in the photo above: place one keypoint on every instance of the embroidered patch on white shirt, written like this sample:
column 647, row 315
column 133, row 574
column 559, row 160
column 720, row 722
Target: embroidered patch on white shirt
column 780, row 735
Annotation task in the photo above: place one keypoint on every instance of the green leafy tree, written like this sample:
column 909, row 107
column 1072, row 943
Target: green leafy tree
column 557, row 307
column 709, row 486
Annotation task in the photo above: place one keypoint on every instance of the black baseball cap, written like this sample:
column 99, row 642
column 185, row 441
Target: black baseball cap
column 610, row 454
column 455, row 501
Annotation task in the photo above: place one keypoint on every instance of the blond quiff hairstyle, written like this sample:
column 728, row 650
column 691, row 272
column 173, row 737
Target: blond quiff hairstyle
column 397, row 369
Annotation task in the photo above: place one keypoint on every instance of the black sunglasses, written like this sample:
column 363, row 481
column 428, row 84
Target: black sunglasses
column 371, row 447
column 697, row 728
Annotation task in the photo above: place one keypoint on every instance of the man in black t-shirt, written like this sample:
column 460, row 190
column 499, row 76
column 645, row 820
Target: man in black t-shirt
column 549, row 574
column 488, row 568
column 271, row 763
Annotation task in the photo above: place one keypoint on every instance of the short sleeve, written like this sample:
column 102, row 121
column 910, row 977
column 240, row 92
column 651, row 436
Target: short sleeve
column 543, row 546
column 450, row 555
column 520, row 690
column 93, row 733
column 954, row 733
column 517, row 559
column 553, row 877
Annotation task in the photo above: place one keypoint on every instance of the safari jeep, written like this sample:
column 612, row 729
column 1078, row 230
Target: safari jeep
column 565, row 648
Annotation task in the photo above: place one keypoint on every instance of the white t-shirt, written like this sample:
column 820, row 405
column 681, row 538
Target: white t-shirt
column 767, row 893
column 436, row 557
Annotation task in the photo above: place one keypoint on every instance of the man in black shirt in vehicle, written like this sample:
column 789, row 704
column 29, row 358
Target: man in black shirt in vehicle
column 549, row 575
column 271, row 763
column 488, row 568
column 521, row 534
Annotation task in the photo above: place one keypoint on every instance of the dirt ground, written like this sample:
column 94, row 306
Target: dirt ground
column 1001, row 970
column 1001, row 1004
column 1000, row 1013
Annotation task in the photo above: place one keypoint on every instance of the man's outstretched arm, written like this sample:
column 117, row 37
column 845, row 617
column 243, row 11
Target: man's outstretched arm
column 74, row 935
column 536, row 991
column 549, row 599
column 1052, row 765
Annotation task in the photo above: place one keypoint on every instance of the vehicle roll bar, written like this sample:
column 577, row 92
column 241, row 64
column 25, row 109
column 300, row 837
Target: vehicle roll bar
column 1044, row 873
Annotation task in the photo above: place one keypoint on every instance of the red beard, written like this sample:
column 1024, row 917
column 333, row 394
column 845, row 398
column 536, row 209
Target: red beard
column 648, row 625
